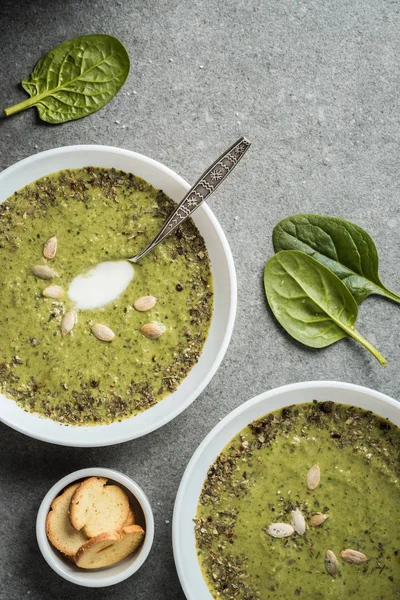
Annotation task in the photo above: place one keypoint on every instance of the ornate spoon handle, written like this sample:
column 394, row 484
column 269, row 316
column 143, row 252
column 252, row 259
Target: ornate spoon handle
column 202, row 189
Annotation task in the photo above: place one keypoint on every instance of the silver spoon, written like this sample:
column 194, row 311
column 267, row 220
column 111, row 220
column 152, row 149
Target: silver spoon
column 107, row 280
column 202, row 189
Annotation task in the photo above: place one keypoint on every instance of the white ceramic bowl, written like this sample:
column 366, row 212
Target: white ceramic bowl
column 183, row 536
column 223, row 270
column 108, row 575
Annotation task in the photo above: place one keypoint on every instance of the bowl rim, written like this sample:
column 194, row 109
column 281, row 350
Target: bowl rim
column 88, row 578
column 180, row 501
column 232, row 302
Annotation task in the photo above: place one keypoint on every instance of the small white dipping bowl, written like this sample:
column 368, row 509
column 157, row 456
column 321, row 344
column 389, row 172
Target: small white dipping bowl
column 224, row 280
column 107, row 575
column 183, row 536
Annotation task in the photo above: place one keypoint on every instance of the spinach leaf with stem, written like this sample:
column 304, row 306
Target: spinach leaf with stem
column 311, row 302
column 76, row 78
column 345, row 248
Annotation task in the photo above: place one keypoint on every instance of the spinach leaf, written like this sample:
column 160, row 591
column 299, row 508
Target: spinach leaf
column 76, row 78
column 310, row 302
column 343, row 247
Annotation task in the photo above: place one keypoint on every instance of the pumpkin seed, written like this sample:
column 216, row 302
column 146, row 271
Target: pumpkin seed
column 68, row 322
column 50, row 248
column 144, row 303
column 53, row 291
column 298, row 522
column 44, row 272
column 317, row 519
column 313, row 477
column 153, row 330
column 280, row 530
column 102, row 332
column 353, row 556
column 331, row 563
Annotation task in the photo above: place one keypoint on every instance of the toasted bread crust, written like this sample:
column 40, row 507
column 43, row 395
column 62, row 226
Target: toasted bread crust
column 75, row 514
column 107, row 549
column 59, row 530
column 131, row 529
column 96, row 541
column 99, row 508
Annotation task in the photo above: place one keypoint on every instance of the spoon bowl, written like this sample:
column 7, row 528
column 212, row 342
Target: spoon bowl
column 101, row 284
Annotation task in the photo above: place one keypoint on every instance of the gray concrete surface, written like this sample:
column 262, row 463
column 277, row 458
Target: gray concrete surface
column 315, row 86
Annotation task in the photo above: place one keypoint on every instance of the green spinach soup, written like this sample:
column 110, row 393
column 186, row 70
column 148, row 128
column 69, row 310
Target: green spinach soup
column 304, row 503
column 103, row 364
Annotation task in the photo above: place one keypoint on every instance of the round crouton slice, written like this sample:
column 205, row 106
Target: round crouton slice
column 98, row 508
column 107, row 549
column 59, row 530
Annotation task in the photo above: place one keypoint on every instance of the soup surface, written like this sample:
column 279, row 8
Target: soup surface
column 97, row 215
column 261, row 477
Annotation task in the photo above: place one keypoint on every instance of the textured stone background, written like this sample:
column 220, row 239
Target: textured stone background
column 315, row 86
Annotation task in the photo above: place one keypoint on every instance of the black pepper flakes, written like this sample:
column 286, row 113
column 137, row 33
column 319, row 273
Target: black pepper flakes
column 326, row 406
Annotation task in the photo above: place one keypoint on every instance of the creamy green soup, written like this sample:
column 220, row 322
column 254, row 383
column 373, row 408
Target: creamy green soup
column 97, row 214
column 261, row 477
